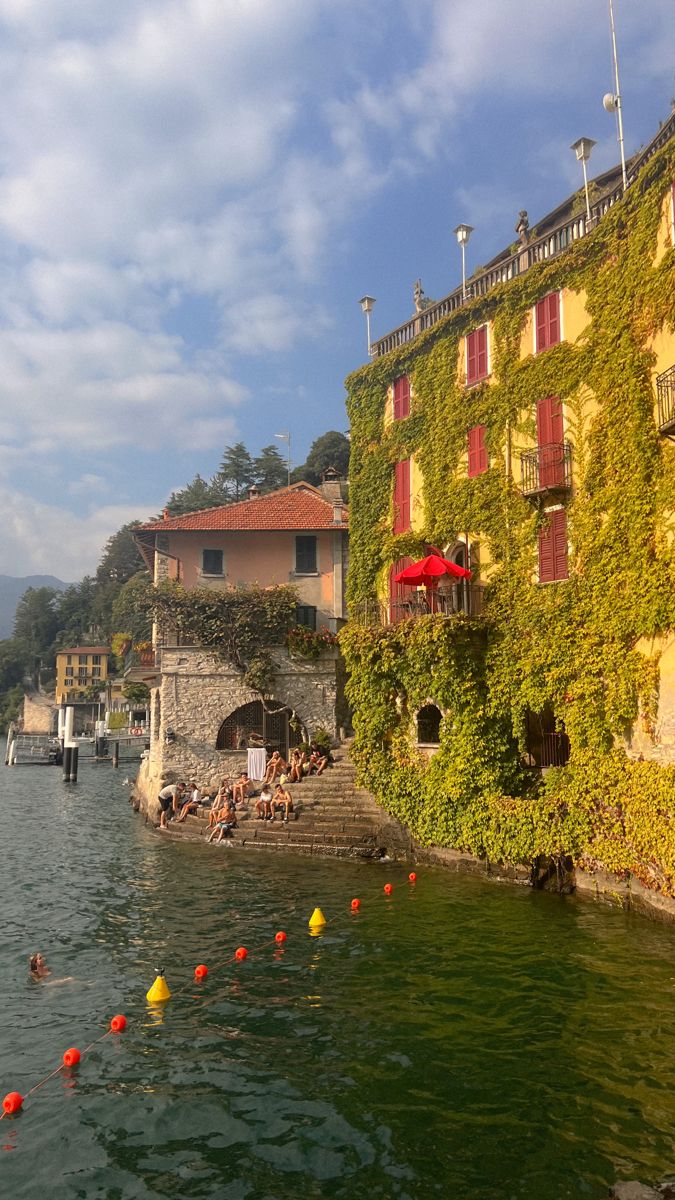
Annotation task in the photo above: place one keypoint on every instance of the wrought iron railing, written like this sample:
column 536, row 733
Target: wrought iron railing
column 546, row 469
column 665, row 394
column 555, row 242
column 463, row 599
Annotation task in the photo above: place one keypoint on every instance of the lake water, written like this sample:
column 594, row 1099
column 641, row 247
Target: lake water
column 462, row 1039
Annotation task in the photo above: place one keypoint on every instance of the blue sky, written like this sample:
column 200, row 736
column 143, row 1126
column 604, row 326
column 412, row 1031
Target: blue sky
column 195, row 193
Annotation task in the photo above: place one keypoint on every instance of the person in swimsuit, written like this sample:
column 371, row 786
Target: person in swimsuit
column 38, row 967
column 281, row 799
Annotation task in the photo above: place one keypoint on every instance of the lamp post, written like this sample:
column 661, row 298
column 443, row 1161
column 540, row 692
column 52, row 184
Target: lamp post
column 367, row 304
column 582, row 148
column 611, row 101
column 286, row 437
column 463, row 233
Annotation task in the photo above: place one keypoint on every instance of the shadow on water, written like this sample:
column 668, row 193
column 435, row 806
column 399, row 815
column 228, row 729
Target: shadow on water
column 462, row 1038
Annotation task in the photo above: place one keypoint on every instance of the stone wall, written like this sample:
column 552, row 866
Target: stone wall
column 198, row 691
column 39, row 714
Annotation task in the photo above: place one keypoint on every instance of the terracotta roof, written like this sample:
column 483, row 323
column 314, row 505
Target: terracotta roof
column 299, row 506
column 85, row 650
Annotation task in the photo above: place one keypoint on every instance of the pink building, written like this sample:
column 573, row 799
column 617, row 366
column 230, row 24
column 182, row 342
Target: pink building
column 295, row 535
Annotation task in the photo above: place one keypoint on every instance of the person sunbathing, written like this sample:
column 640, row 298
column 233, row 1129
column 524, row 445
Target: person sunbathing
column 241, row 789
column 220, row 805
column 296, row 766
column 224, row 826
column 281, row 799
column 262, row 804
column 275, row 767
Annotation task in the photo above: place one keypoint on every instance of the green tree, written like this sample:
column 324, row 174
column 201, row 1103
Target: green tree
column 128, row 612
column 36, row 621
column 12, row 663
column 121, row 557
column 329, row 450
column 270, row 470
column 195, row 496
column 136, row 693
column 74, row 609
column 236, row 472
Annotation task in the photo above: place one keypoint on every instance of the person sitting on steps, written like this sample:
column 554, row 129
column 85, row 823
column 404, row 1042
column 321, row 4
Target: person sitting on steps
column 262, row 804
column 296, row 766
column 191, row 804
column 281, row 799
column 275, row 767
column 241, row 789
column 226, row 823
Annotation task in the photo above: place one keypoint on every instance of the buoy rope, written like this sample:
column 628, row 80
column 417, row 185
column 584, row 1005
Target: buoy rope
column 233, row 958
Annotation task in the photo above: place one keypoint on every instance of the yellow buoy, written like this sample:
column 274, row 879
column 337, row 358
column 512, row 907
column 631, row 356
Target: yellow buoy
column 159, row 989
column 317, row 919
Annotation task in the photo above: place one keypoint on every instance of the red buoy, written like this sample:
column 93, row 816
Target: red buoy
column 201, row 971
column 412, row 877
column 12, row 1103
column 241, row 952
column 118, row 1023
column 388, row 889
column 280, row 936
column 356, row 904
column 71, row 1057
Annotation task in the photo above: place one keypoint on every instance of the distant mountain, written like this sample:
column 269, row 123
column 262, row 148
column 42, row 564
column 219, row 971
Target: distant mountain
column 11, row 591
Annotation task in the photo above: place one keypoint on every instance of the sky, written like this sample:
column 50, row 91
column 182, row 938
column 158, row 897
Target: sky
column 194, row 194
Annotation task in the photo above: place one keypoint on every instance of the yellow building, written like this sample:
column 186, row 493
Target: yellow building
column 78, row 669
column 525, row 429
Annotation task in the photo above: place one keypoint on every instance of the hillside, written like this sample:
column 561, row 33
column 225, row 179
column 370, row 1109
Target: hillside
column 13, row 588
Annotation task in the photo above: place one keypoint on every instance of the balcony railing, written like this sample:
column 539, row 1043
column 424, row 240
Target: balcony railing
column 546, row 469
column 461, row 599
column 665, row 394
column 555, row 242
column 141, row 665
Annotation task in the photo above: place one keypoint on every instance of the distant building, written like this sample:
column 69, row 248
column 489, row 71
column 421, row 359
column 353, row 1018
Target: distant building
column 78, row 669
column 203, row 715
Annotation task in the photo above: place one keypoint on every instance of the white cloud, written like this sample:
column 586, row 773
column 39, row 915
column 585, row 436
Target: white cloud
column 39, row 538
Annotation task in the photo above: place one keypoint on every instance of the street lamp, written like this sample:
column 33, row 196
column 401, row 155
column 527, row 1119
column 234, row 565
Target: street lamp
column 611, row 101
column 582, row 148
column 463, row 233
column 367, row 304
column 286, row 437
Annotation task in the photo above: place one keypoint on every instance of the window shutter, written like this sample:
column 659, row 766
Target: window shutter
column 471, row 358
column 397, row 590
column 553, row 548
column 540, row 321
column 402, row 496
column 482, row 364
column 478, row 459
column 559, row 530
column 553, row 315
column 401, row 398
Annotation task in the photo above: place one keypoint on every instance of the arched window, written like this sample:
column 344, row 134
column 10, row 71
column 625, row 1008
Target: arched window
column 270, row 723
column 429, row 725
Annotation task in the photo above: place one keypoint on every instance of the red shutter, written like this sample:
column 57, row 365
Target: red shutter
column 550, row 442
column 547, row 321
column 402, row 496
column 553, row 547
column 478, row 459
column 476, row 355
column 397, row 591
column 401, row 398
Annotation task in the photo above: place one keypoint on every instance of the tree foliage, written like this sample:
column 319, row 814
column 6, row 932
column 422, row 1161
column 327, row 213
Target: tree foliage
column 331, row 450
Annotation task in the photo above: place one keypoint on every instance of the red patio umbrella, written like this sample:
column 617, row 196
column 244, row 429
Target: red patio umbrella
column 429, row 570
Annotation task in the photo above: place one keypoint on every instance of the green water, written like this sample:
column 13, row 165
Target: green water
column 464, row 1039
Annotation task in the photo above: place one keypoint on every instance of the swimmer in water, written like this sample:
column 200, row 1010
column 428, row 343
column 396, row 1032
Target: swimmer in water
column 38, row 967
column 39, row 971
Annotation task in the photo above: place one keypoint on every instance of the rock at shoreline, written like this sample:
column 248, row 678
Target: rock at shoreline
column 633, row 1190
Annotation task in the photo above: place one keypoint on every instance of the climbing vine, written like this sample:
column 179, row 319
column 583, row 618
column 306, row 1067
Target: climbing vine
column 576, row 645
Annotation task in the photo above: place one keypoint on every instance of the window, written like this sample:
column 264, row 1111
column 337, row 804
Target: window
column 96, row 672
column 547, row 322
column 402, row 496
column 477, row 355
column 549, row 442
column 478, row 456
column 69, row 659
column 305, row 614
column 212, row 562
column 429, row 725
column 69, row 672
column 82, row 673
column 305, row 556
column 553, row 547
column 96, row 659
column 82, row 658
column 401, row 398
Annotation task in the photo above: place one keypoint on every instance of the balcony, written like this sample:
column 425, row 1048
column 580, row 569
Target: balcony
column 665, row 394
column 461, row 600
column 141, row 666
column 546, row 470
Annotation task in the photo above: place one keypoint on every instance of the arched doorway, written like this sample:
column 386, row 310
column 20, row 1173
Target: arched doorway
column 272, row 723
column 429, row 720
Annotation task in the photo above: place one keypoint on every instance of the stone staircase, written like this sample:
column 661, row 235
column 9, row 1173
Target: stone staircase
column 332, row 817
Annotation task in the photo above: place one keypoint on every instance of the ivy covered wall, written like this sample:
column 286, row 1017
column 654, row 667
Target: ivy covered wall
column 589, row 646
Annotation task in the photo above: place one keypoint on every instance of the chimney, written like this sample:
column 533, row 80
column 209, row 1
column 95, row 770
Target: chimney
column 331, row 488
column 253, row 492
column 338, row 512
